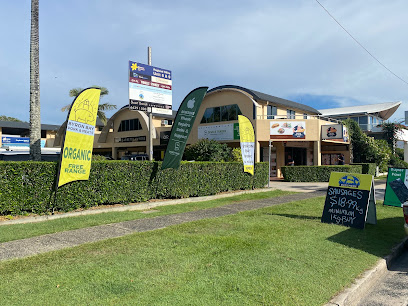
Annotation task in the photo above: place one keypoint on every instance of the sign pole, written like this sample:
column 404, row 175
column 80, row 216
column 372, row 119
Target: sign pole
column 150, row 153
column 269, row 164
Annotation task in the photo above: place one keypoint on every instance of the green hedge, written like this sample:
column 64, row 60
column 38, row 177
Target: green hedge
column 315, row 173
column 367, row 168
column 27, row 187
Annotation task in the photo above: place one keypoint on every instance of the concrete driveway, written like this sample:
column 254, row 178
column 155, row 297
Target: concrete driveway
column 379, row 186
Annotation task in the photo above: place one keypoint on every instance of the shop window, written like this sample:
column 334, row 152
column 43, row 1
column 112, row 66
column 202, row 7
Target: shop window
column 221, row 113
column 129, row 125
column 272, row 111
column 291, row 114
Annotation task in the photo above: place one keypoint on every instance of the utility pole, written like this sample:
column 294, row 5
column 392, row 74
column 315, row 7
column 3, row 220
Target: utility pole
column 150, row 153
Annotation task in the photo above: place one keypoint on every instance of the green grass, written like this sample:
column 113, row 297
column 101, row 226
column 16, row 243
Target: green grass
column 21, row 231
column 281, row 255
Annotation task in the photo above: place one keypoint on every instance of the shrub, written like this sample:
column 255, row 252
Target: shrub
column 208, row 150
column 27, row 187
column 398, row 163
column 236, row 155
column 315, row 173
column 367, row 168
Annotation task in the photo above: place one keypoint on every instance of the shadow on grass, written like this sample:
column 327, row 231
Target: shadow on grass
column 376, row 239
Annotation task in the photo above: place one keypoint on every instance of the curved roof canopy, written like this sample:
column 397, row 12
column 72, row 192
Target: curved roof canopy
column 259, row 96
column 382, row 110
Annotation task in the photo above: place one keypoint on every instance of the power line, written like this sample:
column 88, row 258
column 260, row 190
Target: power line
column 389, row 70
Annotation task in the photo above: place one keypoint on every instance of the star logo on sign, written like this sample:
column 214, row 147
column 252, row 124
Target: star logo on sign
column 134, row 66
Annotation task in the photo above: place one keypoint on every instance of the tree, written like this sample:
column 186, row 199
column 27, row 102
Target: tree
column 365, row 148
column 391, row 131
column 101, row 108
column 35, row 114
column 208, row 150
column 6, row 118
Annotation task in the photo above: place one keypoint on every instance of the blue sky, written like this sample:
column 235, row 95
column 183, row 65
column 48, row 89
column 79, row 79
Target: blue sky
column 289, row 49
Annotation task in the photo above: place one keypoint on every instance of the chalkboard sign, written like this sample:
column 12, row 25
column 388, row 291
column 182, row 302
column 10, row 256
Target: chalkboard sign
column 350, row 200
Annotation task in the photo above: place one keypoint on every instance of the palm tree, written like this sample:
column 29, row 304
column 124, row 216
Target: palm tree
column 101, row 108
column 35, row 114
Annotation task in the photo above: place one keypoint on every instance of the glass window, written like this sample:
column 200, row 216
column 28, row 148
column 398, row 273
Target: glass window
column 129, row 125
column 224, row 112
column 208, row 116
column 363, row 120
column 354, row 118
column 217, row 114
column 233, row 115
column 304, row 116
column 272, row 111
column 291, row 114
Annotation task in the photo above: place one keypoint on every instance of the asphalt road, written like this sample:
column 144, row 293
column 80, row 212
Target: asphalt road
column 392, row 289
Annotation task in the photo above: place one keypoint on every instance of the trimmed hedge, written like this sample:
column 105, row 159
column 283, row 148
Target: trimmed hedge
column 27, row 187
column 368, row 168
column 315, row 173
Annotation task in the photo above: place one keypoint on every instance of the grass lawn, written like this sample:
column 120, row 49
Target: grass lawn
column 20, row 231
column 281, row 255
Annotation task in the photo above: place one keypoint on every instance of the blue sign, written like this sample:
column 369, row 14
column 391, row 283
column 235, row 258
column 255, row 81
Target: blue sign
column 349, row 181
column 146, row 70
column 16, row 141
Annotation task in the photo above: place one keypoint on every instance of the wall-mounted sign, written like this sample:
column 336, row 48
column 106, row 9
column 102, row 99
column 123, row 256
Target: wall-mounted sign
column 130, row 139
column 229, row 131
column 350, row 200
column 336, row 132
column 396, row 191
column 150, row 87
column 164, row 137
column 17, row 141
column 287, row 129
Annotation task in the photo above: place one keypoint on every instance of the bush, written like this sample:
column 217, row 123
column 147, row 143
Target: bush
column 27, row 187
column 315, row 173
column 367, row 168
column 236, row 155
column 208, row 150
column 398, row 163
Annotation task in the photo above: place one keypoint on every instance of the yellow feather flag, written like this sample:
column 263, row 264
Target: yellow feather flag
column 76, row 154
column 247, row 140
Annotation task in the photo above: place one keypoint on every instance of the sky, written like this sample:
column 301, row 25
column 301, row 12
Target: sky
column 289, row 49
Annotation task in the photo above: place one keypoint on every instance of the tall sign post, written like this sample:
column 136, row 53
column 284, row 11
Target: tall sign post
column 150, row 90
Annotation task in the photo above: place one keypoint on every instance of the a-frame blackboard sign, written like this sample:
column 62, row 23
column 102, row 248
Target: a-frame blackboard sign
column 350, row 200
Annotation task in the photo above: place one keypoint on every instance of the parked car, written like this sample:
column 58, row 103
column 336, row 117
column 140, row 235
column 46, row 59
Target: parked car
column 140, row 157
column 405, row 210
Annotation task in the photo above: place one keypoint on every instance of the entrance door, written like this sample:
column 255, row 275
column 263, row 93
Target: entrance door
column 297, row 154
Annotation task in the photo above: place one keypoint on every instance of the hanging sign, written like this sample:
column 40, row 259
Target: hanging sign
column 396, row 191
column 76, row 154
column 247, row 141
column 350, row 200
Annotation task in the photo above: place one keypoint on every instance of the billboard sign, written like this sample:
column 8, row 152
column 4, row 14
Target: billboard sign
column 336, row 132
column 396, row 190
column 17, row 141
column 287, row 129
column 150, row 88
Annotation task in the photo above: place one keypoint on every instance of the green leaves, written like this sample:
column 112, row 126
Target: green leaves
column 27, row 187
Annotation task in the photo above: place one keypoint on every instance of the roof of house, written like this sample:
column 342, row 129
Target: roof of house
column 26, row 125
column 382, row 110
column 259, row 96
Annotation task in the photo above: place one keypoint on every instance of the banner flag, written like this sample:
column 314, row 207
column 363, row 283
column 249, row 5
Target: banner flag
column 247, row 140
column 76, row 153
column 182, row 127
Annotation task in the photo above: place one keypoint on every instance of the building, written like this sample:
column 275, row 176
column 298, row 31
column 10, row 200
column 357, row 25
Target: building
column 126, row 132
column 296, row 131
column 292, row 130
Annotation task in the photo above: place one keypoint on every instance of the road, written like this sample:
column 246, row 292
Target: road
column 392, row 289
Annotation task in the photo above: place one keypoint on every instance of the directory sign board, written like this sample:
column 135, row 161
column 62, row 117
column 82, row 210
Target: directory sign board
column 396, row 191
column 228, row 131
column 150, row 88
column 350, row 200
column 287, row 129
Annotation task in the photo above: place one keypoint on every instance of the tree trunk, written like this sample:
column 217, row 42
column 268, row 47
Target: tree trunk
column 35, row 117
